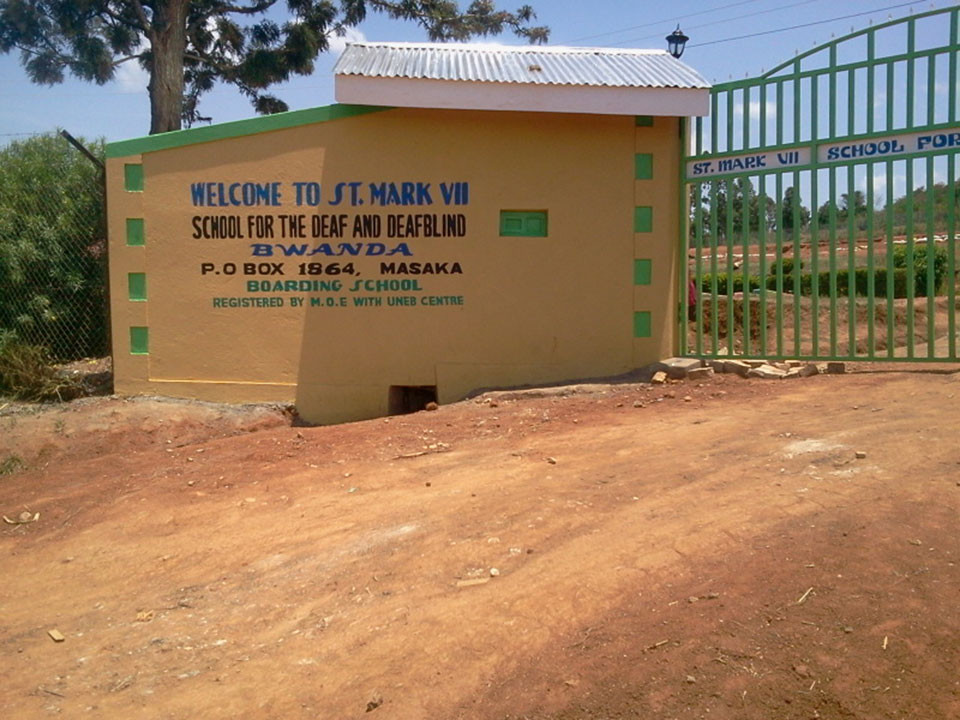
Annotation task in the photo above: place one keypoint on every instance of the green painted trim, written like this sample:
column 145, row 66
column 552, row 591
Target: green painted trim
column 912, row 18
column 642, row 272
column 136, row 236
column 137, row 287
column 237, row 128
column 839, row 68
column 642, row 324
column 644, row 121
column 643, row 219
column 523, row 223
column 772, row 77
column 133, row 177
column 139, row 341
column 643, row 166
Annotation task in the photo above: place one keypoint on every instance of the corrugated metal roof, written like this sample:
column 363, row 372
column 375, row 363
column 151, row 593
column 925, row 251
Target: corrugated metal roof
column 598, row 67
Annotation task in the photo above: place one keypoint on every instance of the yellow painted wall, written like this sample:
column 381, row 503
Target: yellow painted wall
column 534, row 309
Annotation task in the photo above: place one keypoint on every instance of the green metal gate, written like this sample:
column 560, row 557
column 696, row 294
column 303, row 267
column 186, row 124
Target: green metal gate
column 823, row 203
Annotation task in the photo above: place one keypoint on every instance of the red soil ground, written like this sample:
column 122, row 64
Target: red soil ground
column 696, row 550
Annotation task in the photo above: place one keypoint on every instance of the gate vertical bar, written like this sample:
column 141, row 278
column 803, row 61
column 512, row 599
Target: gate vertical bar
column 930, row 253
column 728, row 237
column 715, row 310
column 763, row 226
column 683, row 223
column 698, row 263
column 951, row 184
column 814, row 222
column 745, row 222
column 851, row 223
column 779, row 255
column 833, row 204
column 728, row 233
column 911, row 270
column 952, row 260
column 714, row 229
column 797, row 223
column 891, row 305
column 931, row 230
column 911, row 199
column 871, row 279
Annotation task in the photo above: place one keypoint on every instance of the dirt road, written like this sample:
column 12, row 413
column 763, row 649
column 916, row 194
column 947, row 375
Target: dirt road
column 696, row 550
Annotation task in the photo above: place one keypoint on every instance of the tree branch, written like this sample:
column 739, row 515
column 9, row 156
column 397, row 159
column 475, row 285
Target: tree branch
column 256, row 8
column 120, row 19
column 142, row 14
column 128, row 58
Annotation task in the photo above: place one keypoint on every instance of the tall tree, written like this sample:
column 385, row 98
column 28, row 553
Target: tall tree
column 187, row 46
column 802, row 217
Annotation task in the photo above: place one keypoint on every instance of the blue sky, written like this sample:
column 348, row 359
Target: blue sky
column 120, row 109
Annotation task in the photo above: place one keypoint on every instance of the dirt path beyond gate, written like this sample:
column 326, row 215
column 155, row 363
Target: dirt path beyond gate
column 716, row 549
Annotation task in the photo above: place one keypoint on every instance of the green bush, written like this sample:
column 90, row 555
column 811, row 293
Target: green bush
column 52, row 247
column 940, row 265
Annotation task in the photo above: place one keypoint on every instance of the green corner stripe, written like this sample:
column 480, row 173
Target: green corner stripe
column 644, row 121
column 642, row 272
column 137, row 286
column 133, row 177
column 237, row 128
column 643, row 166
column 641, row 324
column 643, row 219
column 139, row 341
column 135, row 234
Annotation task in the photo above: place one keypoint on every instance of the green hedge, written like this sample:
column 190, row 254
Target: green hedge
column 900, row 277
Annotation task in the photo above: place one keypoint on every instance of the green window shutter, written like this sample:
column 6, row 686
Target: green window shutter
column 643, row 219
column 643, row 166
column 133, row 177
column 642, row 324
column 139, row 340
column 135, row 232
column 523, row 223
column 642, row 272
column 137, row 286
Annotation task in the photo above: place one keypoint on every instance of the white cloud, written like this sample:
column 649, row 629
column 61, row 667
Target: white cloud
column 339, row 42
column 131, row 78
column 755, row 108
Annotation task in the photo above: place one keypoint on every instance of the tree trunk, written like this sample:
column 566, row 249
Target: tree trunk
column 168, row 41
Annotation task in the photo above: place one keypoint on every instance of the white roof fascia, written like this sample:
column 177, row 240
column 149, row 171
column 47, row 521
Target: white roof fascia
column 521, row 97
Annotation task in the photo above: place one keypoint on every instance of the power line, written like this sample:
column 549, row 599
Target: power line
column 802, row 25
column 658, row 22
column 726, row 20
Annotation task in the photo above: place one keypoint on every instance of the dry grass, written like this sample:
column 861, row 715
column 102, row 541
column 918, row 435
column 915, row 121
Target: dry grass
column 27, row 373
column 832, row 328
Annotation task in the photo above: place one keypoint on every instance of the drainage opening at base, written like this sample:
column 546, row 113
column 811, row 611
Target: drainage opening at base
column 410, row 398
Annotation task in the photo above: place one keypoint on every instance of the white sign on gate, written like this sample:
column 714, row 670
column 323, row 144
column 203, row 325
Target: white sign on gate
column 748, row 162
column 890, row 146
column 886, row 147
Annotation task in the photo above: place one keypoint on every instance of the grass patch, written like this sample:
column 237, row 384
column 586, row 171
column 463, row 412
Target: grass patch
column 10, row 464
column 27, row 373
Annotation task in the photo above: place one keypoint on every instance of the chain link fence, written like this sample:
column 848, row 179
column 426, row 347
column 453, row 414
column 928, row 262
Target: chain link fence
column 53, row 249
